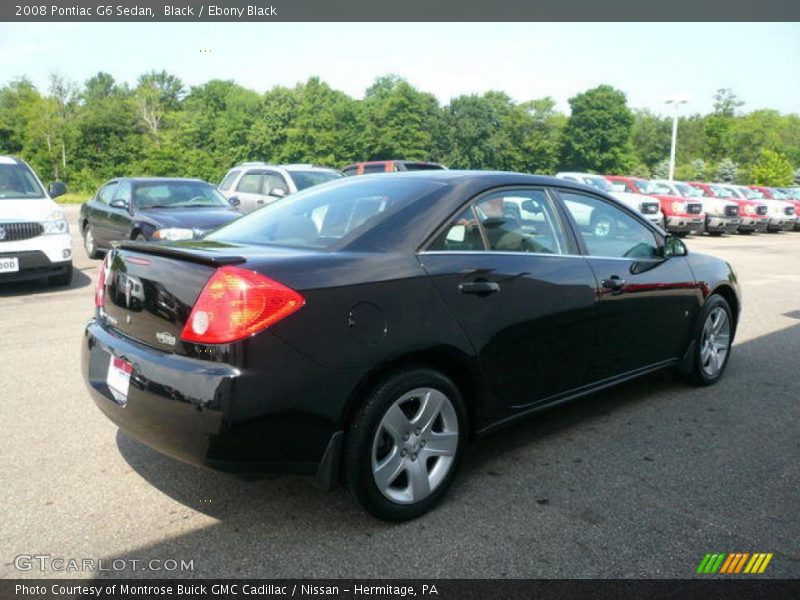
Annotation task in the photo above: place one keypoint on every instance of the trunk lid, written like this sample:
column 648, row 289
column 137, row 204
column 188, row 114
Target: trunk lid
column 150, row 290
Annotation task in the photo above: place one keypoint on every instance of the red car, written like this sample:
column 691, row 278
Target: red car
column 778, row 194
column 681, row 216
column 753, row 213
column 389, row 166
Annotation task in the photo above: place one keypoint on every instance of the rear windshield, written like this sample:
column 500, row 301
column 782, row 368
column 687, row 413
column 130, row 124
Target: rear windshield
column 305, row 179
column 17, row 182
column 179, row 194
column 321, row 217
column 601, row 183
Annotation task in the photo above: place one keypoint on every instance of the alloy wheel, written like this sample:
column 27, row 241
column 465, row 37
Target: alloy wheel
column 88, row 241
column 415, row 445
column 715, row 342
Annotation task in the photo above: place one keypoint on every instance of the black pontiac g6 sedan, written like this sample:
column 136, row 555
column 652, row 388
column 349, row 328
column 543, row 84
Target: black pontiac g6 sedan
column 149, row 208
column 367, row 328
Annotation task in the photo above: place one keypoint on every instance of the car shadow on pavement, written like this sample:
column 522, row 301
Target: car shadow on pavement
column 637, row 466
column 41, row 286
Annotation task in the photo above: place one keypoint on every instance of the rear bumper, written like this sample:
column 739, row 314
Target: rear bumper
column 686, row 223
column 722, row 224
column 209, row 414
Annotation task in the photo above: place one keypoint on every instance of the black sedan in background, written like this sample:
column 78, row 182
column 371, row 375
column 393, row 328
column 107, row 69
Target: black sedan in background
column 368, row 328
column 151, row 209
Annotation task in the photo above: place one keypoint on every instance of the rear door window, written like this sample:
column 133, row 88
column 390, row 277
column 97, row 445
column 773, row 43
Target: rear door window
column 506, row 221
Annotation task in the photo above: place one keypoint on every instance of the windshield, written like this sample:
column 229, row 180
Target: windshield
column 18, row 182
column 779, row 194
column 687, row 190
column 305, row 179
column 601, row 183
column 753, row 194
column 177, row 194
column 321, row 217
column 645, row 187
column 721, row 192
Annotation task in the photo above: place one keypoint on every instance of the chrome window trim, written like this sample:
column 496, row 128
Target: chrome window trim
column 542, row 254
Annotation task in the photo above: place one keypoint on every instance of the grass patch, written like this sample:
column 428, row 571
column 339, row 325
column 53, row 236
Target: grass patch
column 73, row 198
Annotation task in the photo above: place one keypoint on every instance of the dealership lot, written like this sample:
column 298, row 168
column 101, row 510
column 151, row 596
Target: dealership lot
column 640, row 481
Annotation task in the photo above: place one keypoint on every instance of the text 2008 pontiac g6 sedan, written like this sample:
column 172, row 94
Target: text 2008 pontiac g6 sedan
column 367, row 328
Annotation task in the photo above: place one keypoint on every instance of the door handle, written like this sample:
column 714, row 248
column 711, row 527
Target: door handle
column 479, row 287
column 614, row 283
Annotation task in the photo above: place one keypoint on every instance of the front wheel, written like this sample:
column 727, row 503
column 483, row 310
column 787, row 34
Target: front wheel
column 404, row 445
column 89, row 243
column 713, row 339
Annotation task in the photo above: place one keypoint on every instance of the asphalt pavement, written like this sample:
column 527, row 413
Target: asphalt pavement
column 639, row 481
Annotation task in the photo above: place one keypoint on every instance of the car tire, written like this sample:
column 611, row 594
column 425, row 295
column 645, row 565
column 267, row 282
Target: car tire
column 140, row 237
column 708, row 363
column 404, row 445
column 89, row 243
column 62, row 280
column 745, row 232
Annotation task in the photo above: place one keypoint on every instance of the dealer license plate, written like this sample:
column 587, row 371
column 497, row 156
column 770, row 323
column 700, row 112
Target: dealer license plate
column 9, row 264
column 119, row 378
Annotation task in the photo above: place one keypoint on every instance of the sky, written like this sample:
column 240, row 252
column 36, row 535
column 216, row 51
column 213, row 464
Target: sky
column 650, row 62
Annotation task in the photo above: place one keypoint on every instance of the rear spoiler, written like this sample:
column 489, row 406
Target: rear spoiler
column 195, row 255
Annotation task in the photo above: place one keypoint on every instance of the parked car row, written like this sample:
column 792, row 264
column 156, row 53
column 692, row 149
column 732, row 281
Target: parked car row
column 695, row 207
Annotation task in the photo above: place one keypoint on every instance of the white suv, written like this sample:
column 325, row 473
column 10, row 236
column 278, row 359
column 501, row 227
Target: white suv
column 257, row 184
column 34, row 234
column 649, row 207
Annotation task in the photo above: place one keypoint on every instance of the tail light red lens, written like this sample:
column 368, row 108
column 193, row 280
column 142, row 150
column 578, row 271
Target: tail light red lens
column 236, row 303
column 100, row 290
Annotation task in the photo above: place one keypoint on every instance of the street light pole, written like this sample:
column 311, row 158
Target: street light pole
column 675, row 102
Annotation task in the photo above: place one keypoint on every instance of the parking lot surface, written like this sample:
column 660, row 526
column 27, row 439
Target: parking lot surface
column 638, row 481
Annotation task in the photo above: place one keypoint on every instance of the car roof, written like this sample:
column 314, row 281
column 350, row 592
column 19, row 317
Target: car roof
column 287, row 167
column 161, row 180
column 10, row 160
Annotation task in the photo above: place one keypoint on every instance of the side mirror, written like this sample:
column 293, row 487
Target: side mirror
column 56, row 189
column 234, row 201
column 278, row 192
column 674, row 247
column 118, row 203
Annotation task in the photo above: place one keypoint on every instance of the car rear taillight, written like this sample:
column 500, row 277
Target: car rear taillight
column 100, row 290
column 236, row 303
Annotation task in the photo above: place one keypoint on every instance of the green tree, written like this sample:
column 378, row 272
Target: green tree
column 698, row 172
column 399, row 121
column 597, row 136
column 772, row 169
column 651, row 136
column 727, row 171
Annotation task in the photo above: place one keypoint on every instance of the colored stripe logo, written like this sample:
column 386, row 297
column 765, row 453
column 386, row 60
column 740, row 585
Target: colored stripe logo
column 734, row 562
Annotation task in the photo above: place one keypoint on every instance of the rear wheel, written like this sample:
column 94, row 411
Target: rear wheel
column 89, row 242
column 713, row 339
column 404, row 445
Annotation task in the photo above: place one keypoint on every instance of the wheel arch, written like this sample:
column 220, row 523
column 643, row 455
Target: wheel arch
column 451, row 362
column 727, row 292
